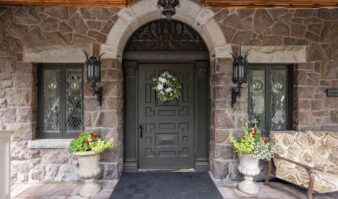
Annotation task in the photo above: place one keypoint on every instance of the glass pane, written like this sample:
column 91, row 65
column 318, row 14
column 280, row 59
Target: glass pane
column 51, row 99
column 73, row 100
column 278, row 99
column 257, row 97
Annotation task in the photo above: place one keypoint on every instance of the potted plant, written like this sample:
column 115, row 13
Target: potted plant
column 87, row 147
column 251, row 147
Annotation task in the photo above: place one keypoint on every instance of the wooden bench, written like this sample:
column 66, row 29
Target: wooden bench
column 307, row 159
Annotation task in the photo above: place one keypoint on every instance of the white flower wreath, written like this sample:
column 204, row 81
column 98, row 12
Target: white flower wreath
column 167, row 87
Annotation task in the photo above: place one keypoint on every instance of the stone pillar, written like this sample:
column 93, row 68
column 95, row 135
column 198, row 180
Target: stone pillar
column 5, row 139
column 108, row 119
column 224, row 119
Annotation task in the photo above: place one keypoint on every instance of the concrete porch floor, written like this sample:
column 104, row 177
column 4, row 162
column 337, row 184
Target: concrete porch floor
column 70, row 191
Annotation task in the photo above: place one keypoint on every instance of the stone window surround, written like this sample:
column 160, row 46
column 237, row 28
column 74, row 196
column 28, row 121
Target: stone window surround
column 49, row 143
column 54, row 54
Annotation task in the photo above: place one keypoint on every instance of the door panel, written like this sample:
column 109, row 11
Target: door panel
column 166, row 133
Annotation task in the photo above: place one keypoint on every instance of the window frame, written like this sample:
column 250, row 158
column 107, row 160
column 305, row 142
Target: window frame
column 62, row 134
column 267, row 89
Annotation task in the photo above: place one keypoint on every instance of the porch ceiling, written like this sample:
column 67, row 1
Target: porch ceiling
column 75, row 3
column 209, row 3
column 271, row 3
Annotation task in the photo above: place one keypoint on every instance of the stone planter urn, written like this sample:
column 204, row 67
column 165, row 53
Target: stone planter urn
column 88, row 168
column 248, row 166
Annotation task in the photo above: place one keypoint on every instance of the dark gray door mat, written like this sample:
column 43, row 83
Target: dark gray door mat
column 165, row 185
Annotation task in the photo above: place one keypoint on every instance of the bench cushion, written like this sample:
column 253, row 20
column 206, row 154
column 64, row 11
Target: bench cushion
column 313, row 148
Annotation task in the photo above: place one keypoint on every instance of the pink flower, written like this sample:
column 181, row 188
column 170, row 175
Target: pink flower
column 88, row 142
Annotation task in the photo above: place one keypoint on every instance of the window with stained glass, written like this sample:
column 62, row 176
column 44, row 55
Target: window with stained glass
column 60, row 100
column 270, row 97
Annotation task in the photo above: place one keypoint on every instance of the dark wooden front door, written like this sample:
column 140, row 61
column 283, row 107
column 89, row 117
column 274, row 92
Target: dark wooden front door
column 175, row 134
column 166, row 130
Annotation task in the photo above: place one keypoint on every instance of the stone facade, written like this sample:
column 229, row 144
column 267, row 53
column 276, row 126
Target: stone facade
column 36, row 28
column 26, row 29
column 312, row 109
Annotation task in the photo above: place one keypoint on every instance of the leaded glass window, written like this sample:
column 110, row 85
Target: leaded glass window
column 270, row 97
column 60, row 100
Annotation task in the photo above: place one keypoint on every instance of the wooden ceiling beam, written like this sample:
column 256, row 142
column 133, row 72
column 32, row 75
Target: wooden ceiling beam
column 71, row 3
column 271, row 3
column 210, row 3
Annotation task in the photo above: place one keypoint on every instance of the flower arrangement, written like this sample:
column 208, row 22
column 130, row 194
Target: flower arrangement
column 167, row 87
column 89, row 142
column 252, row 143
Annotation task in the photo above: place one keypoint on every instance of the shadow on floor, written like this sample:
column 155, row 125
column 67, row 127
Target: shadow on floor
column 165, row 185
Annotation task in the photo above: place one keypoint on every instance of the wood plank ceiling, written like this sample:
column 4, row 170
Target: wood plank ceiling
column 74, row 3
column 210, row 3
column 272, row 3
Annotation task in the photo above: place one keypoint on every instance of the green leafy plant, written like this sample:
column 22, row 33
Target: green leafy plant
column 167, row 87
column 89, row 142
column 252, row 143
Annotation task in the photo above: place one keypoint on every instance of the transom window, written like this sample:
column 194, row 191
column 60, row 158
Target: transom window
column 270, row 96
column 60, row 100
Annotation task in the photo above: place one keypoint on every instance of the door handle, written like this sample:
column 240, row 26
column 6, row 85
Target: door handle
column 140, row 129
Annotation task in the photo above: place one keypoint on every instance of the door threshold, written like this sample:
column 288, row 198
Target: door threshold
column 167, row 170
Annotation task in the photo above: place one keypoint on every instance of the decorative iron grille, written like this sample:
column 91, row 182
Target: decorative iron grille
column 74, row 100
column 166, row 35
column 51, row 100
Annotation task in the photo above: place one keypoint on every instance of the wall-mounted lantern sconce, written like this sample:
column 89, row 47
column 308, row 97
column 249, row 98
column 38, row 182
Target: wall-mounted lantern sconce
column 94, row 75
column 240, row 73
column 168, row 7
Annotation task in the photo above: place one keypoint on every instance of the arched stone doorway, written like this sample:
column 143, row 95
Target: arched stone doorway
column 201, row 19
column 172, row 135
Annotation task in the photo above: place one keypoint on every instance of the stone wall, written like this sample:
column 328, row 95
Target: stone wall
column 108, row 119
column 36, row 27
column 316, row 29
column 33, row 28
column 225, row 120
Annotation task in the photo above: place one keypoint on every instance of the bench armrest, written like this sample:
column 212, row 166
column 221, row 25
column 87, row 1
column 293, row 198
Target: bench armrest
column 292, row 161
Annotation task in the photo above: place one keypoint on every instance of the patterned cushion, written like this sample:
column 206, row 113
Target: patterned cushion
column 313, row 148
